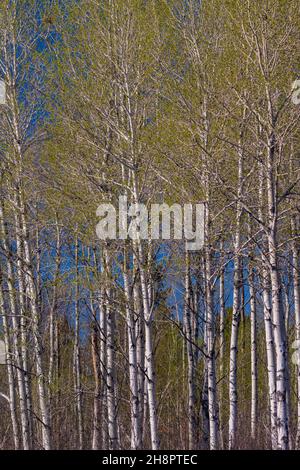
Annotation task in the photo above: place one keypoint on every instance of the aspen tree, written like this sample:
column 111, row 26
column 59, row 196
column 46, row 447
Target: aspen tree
column 10, row 373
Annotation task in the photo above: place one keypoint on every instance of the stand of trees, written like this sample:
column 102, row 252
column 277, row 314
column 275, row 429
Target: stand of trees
column 135, row 343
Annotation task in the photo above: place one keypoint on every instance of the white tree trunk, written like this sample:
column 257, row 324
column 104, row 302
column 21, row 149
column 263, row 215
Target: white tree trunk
column 253, row 321
column 132, row 357
column 103, row 369
column 9, row 367
column 277, row 313
column 77, row 355
column 111, row 373
column 52, row 323
column 296, row 292
column 149, row 359
column 205, row 409
column 233, row 394
column 22, row 233
column 221, row 342
column 19, row 352
column 96, row 432
column 267, row 311
column 140, row 338
column 190, row 356
column 210, row 341
column 35, row 321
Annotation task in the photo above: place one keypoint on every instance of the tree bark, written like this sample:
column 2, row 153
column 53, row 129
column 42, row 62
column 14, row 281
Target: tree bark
column 233, row 393
column 9, row 367
column 132, row 357
column 296, row 295
column 253, row 322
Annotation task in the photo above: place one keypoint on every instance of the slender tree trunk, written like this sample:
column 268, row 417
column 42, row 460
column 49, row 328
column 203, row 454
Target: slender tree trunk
column 77, row 355
column 281, row 352
column 190, row 357
column 253, row 321
column 103, row 369
column 45, row 417
column 96, row 433
column 52, row 321
column 210, row 340
column 24, row 322
column 19, row 352
column 111, row 374
column 271, row 361
column 221, row 345
column 22, row 232
column 267, row 311
column 149, row 359
column 233, row 393
column 9, row 367
column 296, row 292
column 140, row 339
column 277, row 313
column 205, row 409
column 132, row 356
